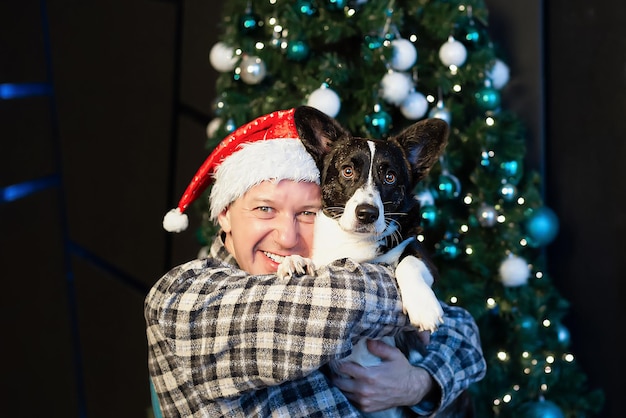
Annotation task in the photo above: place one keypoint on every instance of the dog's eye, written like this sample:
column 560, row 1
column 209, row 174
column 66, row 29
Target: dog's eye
column 390, row 177
column 347, row 172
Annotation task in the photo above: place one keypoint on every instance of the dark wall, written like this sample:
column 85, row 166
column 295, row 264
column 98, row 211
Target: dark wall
column 119, row 129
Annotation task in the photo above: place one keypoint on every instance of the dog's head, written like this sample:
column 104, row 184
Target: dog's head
column 367, row 182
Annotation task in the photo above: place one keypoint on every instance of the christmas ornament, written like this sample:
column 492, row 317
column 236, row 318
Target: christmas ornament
column 511, row 171
column 452, row 52
column 440, row 112
column 249, row 23
column 326, row 100
column 514, row 271
column 335, row 5
column 253, row 70
column 414, row 106
column 449, row 187
column 396, row 86
column 379, row 122
column 449, row 247
column 373, row 42
column 498, row 74
column 297, row 50
column 428, row 214
column 222, row 57
column 528, row 326
column 212, row 127
column 306, row 7
column 542, row 226
column 488, row 98
column 508, row 192
column 487, row 215
column 404, row 54
column 539, row 409
column 563, row 335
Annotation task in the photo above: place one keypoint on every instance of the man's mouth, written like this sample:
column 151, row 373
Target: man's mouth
column 274, row 257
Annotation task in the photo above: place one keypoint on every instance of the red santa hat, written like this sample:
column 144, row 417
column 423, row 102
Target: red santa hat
column 268, row 148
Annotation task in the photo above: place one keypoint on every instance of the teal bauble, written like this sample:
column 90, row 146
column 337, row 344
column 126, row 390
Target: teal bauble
column 297, row 51
column 334, row 5
column 249, row 23
column 539, row 409
column 378, row 123
column 542, row 226
column 487, row 98
column 511, row 171
column 449, row 249
column 448, row 187
column 306, row 7
column 428, row 214
column 508, row 192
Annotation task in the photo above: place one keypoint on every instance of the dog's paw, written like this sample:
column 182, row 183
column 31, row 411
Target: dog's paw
column 419, row 301
column 294, row 265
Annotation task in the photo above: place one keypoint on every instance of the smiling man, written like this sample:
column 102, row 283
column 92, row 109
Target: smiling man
column 228, row 337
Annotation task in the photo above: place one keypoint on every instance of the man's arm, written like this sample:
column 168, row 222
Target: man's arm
column 427, row 386
column 232, row 332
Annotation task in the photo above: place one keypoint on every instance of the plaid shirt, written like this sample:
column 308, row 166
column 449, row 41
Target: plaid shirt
column 225, row 343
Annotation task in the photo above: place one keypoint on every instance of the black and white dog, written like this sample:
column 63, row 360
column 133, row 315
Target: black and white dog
column 370, row 214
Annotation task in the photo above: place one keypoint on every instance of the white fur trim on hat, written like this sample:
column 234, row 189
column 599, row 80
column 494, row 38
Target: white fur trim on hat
column 271, row 159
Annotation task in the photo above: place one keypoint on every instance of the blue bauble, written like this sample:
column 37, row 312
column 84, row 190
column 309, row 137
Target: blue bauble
column 249, row 23
column 429, row 215
column 539, row 409
column 378, row 123
column 297, row 50
column 449, row 249
column 335, row 5
column 542, row 226
column 488, row 98
column 306, row 7
column 449, row 187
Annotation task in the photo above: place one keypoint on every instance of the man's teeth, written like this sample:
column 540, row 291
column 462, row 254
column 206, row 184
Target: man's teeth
column 274, row 257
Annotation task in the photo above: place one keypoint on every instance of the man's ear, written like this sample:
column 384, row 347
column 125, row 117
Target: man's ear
column 423, row 143
column 318, row 131
column 223, row 219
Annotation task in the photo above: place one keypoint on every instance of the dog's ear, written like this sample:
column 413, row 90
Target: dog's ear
column 423, row 142
column 318, row 131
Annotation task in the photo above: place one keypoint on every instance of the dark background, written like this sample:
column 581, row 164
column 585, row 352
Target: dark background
column 120, row 129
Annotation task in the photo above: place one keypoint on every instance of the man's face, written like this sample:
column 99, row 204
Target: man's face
column 270, row 221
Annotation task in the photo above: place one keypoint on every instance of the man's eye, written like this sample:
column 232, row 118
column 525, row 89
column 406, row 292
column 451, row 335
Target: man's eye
column 307, row 216
column 264, row 209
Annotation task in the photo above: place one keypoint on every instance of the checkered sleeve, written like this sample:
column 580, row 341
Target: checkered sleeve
column 454, row 356
column 214, row 327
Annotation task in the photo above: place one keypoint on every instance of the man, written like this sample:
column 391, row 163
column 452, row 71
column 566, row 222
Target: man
column 227, row 337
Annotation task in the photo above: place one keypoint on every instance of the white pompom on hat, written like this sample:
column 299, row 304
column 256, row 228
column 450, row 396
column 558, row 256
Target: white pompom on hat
column 268, row 148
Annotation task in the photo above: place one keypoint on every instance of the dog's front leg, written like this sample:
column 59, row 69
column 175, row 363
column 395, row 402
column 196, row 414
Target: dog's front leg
column 418, row 299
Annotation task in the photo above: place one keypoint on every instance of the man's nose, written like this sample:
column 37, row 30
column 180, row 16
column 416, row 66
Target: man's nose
column 286, row 232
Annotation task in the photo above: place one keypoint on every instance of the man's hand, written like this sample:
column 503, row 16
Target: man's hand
column 395, row 382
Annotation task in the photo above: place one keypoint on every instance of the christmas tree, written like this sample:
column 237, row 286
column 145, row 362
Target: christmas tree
column 379, row 66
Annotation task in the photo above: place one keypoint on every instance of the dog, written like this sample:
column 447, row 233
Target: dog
column 370, row 214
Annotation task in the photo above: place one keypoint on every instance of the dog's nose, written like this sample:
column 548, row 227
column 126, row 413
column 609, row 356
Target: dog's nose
column 367, row 213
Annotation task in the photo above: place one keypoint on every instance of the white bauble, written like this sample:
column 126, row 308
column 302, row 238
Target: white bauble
column 404, row 54
column 514, row 271
column 498, row 74
column 325, row 100
column 453, row 52
column 253, row 70
column 396, row 86
column 414, row 106
column 222, row 57
column 212, row 127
